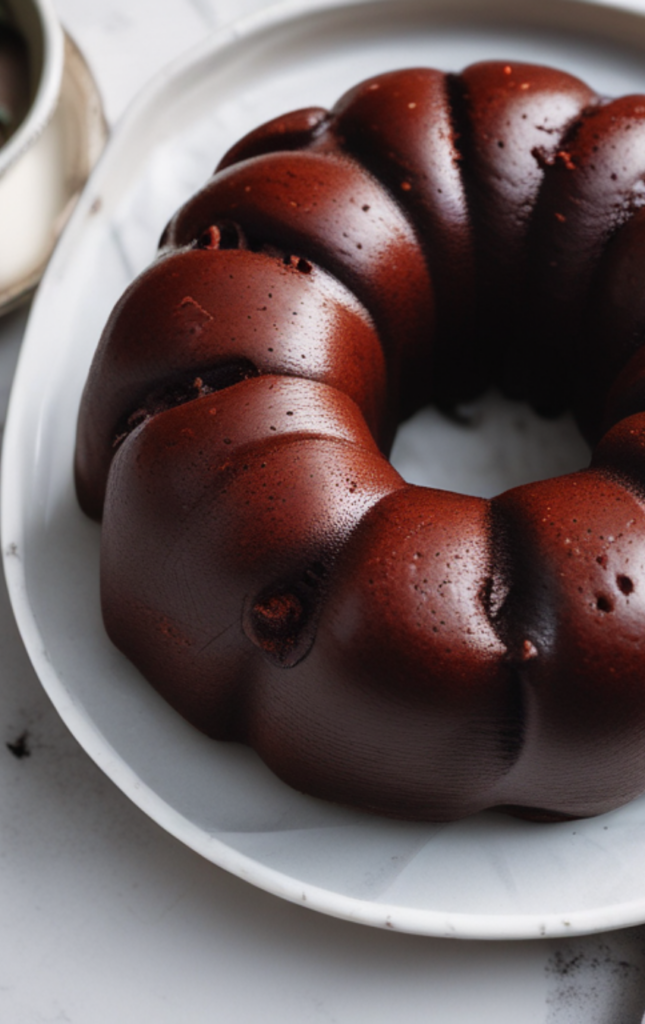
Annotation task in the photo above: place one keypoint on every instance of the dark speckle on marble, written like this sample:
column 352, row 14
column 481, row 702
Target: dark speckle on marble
column 20, row 746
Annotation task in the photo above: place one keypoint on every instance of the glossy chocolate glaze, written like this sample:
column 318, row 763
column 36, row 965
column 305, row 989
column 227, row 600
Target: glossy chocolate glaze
column 414, row 652
column 177, row 333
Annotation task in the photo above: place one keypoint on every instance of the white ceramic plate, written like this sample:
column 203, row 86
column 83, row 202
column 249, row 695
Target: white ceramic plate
column 488, row 877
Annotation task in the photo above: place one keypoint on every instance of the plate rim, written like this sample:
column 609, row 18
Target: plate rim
column 444, row 924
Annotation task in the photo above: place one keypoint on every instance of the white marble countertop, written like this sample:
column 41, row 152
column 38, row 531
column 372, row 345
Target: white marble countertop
column 106, row 918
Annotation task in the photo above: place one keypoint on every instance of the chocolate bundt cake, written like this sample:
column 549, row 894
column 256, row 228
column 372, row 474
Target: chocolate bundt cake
column 415, row 652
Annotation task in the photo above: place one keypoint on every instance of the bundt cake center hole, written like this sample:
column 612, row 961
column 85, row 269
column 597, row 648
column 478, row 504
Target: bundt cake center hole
column 487, row 447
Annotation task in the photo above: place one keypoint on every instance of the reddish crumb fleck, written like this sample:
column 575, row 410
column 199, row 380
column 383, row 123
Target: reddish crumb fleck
column 561, row 217
column 300, row 264
column 210, row 239
column 170, row 631
column 566, row 159
column 529, row 651
column 406, row 186
column 278, row 608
